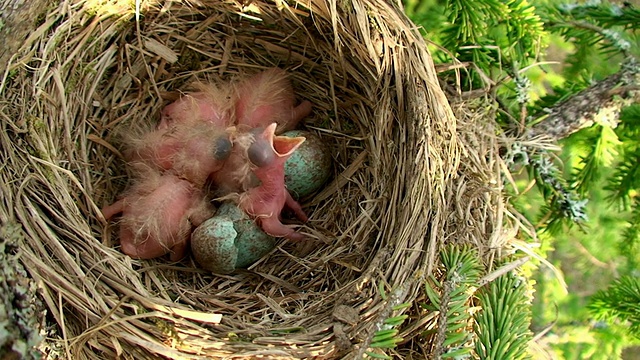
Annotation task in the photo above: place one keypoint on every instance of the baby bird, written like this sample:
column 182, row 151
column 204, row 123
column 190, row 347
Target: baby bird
column 220, row 135
column 191, row 150
column 265, row 202
column 209, row 103
column 158, row 214
column 266, row 98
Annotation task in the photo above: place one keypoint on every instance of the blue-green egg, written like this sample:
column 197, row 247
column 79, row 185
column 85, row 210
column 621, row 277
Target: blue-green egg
column 309, row 167
column 229, row 240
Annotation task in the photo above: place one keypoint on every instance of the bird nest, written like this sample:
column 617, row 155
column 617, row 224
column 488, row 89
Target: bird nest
column 408, row 176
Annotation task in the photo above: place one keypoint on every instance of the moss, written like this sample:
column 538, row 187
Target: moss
column 248, row 338
column 189, row 60
column 42, row 17
column 20, row 308
column 37, row 147
column 169, row 330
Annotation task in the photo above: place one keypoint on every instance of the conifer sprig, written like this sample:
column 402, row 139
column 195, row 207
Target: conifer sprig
column 562, row 202
column 502, row 326
column 620, row 302
column 451, row 296
column 601, row 143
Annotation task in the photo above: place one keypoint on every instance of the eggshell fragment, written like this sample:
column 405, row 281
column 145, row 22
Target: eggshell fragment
column 213, row 245
column 229, row 240
column 252, row 243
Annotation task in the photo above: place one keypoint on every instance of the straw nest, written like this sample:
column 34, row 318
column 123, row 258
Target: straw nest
column 408, row 176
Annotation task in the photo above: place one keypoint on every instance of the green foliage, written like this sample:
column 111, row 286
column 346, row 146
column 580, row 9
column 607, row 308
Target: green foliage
column 503, row 324
column 620, row 302
column 624, row 183
column 626, row 176
column 563, row 206
column 602, row 149
column 614, row 155
column 493, row 34
column 590, row 341
column 595, row 28
column 598, row 171
column 574, row 335
column 462, row 270
column 387, row 337
column 600, row 143
column 630, row 237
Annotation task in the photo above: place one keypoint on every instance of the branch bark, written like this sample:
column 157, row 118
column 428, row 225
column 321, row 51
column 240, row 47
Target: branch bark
column 601, row 101
column 17, row 19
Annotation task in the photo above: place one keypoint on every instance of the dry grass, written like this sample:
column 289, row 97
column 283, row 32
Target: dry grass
column 409, row 176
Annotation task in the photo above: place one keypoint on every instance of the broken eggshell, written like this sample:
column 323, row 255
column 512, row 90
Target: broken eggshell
column 309, row 167
column 229, row 240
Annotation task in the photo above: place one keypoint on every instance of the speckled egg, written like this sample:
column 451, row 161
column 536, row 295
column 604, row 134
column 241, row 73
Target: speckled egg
column 229, row 240
column 309, row 167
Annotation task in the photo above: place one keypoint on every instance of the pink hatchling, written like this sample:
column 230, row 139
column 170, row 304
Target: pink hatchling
column 266, row 98
column 158, row 214
column 265, row 202
column 191, row 150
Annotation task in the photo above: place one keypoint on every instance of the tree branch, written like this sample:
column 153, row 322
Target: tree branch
column 601, row 101
column 17, row 20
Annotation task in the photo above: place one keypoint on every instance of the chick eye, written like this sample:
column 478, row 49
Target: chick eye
column 222, row 149
column 260, row 153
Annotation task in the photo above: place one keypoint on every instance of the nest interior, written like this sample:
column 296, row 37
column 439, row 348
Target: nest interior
column 408, row 175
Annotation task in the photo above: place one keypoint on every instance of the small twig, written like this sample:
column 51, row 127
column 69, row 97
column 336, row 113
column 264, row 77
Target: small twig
column 446, row 67
column 592, row 259
column 441, row 335
column 600, row 31
column 502, row 270
column 547, row 328
column 396, row 297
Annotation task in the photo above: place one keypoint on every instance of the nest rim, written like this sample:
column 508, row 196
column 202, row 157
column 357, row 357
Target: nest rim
column 346, row 61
